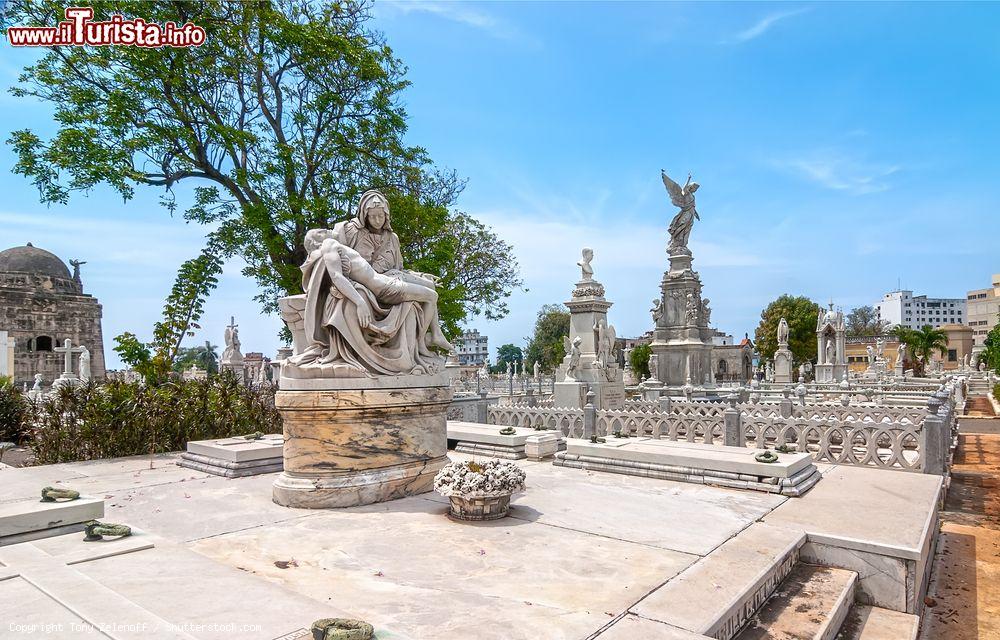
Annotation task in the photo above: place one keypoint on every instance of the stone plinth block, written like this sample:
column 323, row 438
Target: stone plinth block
column 348, row 447
column 486, row 440
column 24, row 520
column 234, row 457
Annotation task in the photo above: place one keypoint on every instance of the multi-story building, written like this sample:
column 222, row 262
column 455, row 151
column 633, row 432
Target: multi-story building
column 472, row 348
column 984, row 305
column 905, row 309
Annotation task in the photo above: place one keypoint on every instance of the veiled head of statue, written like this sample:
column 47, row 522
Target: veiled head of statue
column 373, row 211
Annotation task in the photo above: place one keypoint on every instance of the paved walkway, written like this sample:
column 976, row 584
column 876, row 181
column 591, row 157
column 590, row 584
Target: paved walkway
column 965, row 587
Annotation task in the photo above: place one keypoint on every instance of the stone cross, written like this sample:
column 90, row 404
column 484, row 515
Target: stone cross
column 68, row 349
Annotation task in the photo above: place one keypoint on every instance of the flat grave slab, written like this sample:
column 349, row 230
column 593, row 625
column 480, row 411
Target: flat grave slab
column 480, row 439
column 235, row 457
column 29, row 518
column 793, row 474
column 142, row 587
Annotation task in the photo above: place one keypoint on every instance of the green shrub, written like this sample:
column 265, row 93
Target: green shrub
column 15, row 412
column 996, row 392
column 119, row 418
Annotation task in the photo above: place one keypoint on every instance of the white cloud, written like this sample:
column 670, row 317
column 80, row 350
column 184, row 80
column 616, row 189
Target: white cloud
column 840, row 172
column 459, row 12
column 763, row 25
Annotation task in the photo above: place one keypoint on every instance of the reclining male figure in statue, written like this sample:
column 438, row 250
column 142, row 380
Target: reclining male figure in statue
column 344, row 265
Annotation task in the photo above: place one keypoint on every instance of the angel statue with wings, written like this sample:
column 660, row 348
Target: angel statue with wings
column 683, row 197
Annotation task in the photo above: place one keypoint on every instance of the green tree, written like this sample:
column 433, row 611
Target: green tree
column 864, row 321
column 506, row 353
column 801, row 314
column 546, row 345
column 206, row 357
column 181, row 312
column 923, row 342
column 280, row 120
column 640, row 360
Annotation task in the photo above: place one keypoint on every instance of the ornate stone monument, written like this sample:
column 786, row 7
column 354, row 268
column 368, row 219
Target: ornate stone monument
column 681, row 334
column 364, row 396
column 783, row 356
column 232, row 357
column 591, row 361
column 831, row 346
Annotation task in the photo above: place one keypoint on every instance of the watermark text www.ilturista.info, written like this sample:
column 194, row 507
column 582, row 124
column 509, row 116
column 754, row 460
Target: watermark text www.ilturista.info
column 79, row 29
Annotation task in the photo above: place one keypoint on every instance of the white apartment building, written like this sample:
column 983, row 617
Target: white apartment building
column 904, row 308
column 984, row 305
column 472, row 348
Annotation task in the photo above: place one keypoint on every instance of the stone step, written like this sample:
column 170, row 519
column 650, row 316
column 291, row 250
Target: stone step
column 872, row 623
column 811, row 604
column 716, row 595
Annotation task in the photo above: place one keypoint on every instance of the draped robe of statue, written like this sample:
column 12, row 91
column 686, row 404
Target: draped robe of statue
column 395, row 343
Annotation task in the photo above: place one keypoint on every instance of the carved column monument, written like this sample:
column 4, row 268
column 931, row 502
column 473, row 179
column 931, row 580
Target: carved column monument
column 681, row 334
column 591, row 361
column 363, row 399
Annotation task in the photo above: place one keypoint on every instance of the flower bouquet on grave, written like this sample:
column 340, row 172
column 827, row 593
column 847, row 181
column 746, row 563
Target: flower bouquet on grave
column 479, row 490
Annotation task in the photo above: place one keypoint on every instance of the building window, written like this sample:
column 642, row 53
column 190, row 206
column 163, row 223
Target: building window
column 43, row 343
column 952, row 355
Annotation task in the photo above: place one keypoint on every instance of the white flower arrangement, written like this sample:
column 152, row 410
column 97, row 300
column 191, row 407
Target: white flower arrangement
column 479, row 479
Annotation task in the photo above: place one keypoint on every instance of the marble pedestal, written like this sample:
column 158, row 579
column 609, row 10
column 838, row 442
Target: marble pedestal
column 783, row 365
column 830, row 372
column 682, row 339
column 352, row 446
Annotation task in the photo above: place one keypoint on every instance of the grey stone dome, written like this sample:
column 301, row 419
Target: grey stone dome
column 30, row 259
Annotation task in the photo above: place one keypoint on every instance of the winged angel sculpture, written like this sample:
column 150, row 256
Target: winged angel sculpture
column 683, row 197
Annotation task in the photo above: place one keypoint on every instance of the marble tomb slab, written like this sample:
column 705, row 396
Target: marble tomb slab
column 142, row 587
column 235, row 457
column 30, row 518
column 486, row 440
column 793, row 474
column 406, row 565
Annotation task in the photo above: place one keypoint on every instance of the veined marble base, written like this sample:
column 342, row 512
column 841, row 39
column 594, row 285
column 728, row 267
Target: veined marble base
column 357, row 488
column 348, row 447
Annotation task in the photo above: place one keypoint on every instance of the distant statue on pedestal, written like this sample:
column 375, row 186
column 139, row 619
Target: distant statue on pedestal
column 84, row 365
column 682, row 197
column 586, row 271
column 783, row 333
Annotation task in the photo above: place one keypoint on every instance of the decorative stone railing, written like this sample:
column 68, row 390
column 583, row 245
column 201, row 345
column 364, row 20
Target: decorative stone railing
column 568, row 421
column 883, row 444
column 901, row 438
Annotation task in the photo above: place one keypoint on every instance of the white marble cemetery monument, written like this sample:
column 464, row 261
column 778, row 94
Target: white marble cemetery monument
column 364, row 396
column 6, row 355
column 681, row 338
column 783, row 356
column 590, row 361
column 232, row 357
column 831, row 344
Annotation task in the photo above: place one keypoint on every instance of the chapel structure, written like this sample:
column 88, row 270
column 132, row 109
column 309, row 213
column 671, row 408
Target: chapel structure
column 42, row 304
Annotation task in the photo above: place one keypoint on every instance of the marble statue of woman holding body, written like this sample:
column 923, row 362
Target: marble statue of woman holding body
column 361, row 322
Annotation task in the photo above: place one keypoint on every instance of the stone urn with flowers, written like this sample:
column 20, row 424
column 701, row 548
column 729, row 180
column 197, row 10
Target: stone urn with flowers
column 479, row 490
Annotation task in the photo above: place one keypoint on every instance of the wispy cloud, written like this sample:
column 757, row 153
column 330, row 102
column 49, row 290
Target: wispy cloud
column 763, row 25
column 460, row 12
column 841, row 172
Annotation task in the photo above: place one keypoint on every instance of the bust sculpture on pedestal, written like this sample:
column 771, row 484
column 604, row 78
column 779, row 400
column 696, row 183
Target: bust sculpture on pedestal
column 364, row 395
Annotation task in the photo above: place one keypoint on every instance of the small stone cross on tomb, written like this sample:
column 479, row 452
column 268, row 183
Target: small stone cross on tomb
column 68, row 349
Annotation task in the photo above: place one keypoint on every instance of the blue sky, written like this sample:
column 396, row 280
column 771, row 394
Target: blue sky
column 840, row 147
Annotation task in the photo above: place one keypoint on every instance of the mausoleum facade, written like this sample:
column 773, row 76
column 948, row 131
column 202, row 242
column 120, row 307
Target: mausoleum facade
column 41, row 305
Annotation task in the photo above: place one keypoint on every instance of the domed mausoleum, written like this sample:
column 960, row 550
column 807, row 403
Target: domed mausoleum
column 42, row 304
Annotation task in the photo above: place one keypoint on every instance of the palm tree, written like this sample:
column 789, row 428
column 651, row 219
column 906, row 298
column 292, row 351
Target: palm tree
column 207, row 357
column 923, row 342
